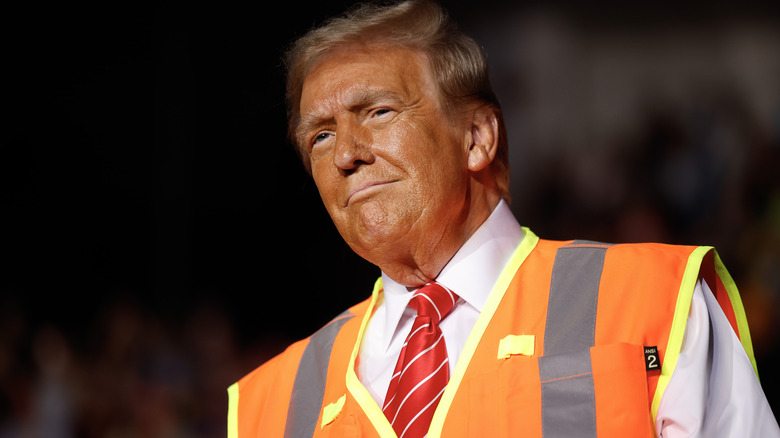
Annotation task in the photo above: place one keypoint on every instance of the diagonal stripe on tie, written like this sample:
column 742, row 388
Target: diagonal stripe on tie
column 422, row 370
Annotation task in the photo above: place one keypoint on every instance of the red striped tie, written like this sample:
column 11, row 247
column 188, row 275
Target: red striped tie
column 422, row 371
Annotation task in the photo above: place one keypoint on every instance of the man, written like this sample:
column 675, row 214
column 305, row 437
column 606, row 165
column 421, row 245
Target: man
column 477, row 327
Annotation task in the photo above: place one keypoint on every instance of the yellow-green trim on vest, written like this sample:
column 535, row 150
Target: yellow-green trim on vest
column 232, row 420
column 355, row 387
column 739, row 309
column 369, row 405
column 682, row 309
column 677, row 332
column 502, row 284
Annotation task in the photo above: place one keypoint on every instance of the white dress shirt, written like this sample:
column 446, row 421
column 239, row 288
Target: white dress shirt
column 712, row 395
column 714, row 391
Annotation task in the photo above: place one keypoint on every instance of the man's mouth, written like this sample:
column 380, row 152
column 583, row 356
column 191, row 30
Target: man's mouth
column 365, row 189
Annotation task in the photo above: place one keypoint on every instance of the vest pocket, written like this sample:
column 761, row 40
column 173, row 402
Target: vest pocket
column 622, row 401
column 601, row 391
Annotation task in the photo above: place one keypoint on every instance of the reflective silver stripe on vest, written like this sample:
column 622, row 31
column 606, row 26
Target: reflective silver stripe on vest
column 309, row 386
column 568, row 395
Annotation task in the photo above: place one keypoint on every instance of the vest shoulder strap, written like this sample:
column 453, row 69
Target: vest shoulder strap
column 284, row 396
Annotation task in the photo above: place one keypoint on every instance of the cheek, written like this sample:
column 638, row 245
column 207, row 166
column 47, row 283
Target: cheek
column 436, row 161
column 325, row 184
column 410, row 147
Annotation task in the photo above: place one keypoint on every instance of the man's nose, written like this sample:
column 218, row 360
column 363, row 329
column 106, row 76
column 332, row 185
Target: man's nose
column 353, row 147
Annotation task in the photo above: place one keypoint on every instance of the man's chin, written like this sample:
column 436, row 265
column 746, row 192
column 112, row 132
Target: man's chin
column 375, row 245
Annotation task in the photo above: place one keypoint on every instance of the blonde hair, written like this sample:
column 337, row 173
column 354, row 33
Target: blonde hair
column 458, row 62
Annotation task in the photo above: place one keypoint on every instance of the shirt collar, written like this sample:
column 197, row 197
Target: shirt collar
column 472, row 271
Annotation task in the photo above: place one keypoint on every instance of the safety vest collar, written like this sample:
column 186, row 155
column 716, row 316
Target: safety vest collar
column 354, row 386
column 361, row 394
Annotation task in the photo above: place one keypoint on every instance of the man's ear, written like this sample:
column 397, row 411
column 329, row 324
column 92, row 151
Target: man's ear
column 484, row 138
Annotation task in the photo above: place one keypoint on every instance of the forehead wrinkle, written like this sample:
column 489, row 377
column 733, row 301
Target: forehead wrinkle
column 337, row 96
column 366, row 97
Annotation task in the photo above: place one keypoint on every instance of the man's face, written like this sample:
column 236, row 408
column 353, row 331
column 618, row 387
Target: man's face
column 389, row 162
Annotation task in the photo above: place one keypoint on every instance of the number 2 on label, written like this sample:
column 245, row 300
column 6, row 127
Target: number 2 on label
column 652, row 361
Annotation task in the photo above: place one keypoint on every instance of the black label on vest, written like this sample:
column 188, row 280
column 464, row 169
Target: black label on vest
column 652, row 359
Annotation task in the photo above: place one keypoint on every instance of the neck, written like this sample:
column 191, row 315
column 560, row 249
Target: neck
column 423, row 263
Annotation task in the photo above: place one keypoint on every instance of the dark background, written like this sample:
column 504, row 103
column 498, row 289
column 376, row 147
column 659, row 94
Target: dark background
column 159, row 229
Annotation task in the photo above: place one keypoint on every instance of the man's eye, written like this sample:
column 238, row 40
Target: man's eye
column 382, row 111
column 321, row 137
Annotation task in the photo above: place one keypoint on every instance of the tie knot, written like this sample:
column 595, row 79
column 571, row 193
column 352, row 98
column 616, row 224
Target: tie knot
column 433, row 300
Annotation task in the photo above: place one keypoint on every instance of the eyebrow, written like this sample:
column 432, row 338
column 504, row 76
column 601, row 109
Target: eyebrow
column 356, row 101
column 308, row 124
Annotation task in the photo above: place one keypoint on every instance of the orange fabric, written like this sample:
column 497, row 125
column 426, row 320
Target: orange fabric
column 645, row 319
column 502, row 397
column 497, row 388
column 349, row 423
column 260, row 407
column 508, row 392
column 617, row 368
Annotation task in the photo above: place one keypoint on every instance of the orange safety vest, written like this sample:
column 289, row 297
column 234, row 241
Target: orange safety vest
column 576, row 339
